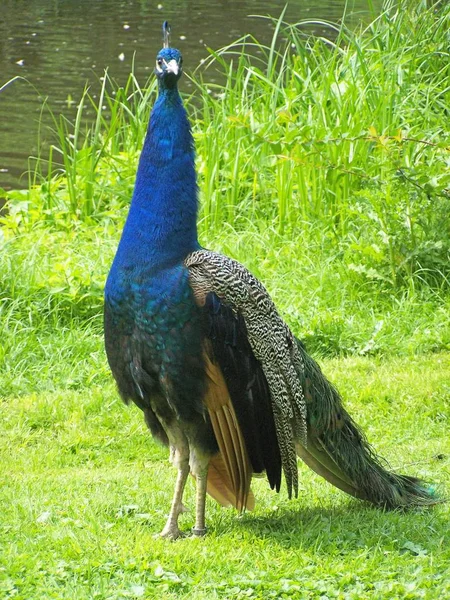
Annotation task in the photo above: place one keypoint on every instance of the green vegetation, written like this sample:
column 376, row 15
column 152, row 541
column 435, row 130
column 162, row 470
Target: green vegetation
column 324, row 167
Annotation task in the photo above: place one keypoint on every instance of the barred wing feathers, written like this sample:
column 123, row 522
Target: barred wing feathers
column 271, row 341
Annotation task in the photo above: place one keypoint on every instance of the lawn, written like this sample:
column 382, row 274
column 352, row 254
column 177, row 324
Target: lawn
column 85, row 490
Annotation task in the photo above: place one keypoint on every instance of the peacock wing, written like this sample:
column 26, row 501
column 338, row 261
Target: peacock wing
column 259, row 360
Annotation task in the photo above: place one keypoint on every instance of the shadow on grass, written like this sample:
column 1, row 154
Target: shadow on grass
column 351, row 526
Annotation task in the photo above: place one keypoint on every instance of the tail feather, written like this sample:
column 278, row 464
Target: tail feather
column 318, row 465
column 338, row 451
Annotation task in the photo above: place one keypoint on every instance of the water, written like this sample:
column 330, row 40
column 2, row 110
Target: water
column 59, row 45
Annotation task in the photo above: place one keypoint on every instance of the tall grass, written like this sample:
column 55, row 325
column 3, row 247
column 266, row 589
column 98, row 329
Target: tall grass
column 323, row 165
column 106, row 134
column 351, row 136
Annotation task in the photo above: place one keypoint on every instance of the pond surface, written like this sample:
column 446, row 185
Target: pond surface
column 59, row 45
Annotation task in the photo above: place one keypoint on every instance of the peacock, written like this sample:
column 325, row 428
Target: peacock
column 196, row 342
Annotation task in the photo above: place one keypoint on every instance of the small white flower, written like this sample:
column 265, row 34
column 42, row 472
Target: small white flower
column 44, row 517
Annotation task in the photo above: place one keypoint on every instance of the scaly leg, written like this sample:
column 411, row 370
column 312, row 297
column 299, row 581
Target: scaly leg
column 199, row 527
column 171, row 529
column 199, row 467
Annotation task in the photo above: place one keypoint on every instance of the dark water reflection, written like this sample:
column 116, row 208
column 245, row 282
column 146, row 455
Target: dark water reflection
column 59, row 45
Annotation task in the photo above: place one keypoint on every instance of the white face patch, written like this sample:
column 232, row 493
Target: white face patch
column 171, row 67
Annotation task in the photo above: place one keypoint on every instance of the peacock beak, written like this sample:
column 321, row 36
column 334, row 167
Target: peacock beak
column 172, row 67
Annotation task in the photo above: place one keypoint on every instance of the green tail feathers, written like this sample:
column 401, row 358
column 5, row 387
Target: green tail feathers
column 338, row 451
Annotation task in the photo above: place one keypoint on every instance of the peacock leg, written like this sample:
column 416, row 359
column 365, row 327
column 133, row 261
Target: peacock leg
column 199, row 467
column 181, row 462
column 199, row 527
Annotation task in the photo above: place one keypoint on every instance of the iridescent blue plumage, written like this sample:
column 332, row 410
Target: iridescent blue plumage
column 161, row 226
column 153, row 328
column 149, row 306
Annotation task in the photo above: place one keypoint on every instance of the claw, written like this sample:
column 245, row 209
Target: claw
column 171, row 532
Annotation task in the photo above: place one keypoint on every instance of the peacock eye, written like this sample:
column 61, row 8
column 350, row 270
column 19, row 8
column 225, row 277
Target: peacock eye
column 160, row 62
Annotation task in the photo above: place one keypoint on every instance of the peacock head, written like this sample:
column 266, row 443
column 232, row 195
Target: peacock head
column 168, row 62
column 169, row 66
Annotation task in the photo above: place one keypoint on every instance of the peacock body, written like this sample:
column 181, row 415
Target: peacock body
column 196, row 342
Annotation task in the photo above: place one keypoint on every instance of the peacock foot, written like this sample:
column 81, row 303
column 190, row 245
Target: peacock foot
column 171, row 531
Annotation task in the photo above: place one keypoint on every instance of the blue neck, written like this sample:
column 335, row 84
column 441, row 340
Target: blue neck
column 161, row 228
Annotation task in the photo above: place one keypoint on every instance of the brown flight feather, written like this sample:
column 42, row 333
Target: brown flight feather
column 231, row 485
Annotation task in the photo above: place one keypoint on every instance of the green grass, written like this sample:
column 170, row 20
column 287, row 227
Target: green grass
column 84, row 490
column 324, row 167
